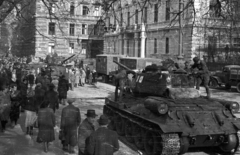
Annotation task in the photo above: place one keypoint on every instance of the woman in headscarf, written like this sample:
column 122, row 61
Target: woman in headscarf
column 46, row 124
column 30, row 109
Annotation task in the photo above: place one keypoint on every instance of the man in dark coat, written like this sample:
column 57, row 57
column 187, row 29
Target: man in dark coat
column 39, row 95
column 63, row 87
column 51, row 97
column 70, row 120
column 85, row 129
column 120, row 80
column 202, row 74
column 103, row 141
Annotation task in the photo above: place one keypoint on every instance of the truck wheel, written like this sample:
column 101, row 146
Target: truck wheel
column 213, row 83
column 105, row 78
column 227, row 86
column 238, row 87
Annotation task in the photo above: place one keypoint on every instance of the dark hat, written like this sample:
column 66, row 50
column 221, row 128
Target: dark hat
column 71, row 100
column 51, row 85
column 103, row 120
column 91, row 113
column 196, row 59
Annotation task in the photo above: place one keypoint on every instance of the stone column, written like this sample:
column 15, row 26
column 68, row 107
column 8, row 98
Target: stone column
column 119, row 46
column 143, row 38
column 125, row 39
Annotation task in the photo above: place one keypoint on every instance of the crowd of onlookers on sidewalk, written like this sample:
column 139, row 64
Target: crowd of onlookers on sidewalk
column 39, row 97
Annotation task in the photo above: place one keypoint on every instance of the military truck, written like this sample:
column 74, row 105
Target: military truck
column 105, row 67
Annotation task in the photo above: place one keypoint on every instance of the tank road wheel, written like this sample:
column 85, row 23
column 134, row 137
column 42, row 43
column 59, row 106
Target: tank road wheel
column 152, row 143
column 231, row 143
column 128, row 131
column 138, row 136
column 238, row 87
column 120, row 125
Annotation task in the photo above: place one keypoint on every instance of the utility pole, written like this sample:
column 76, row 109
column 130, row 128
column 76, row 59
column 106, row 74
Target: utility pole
column 180, row 45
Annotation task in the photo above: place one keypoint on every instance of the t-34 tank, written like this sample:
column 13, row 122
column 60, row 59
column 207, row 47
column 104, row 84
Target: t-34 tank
column 169, row 125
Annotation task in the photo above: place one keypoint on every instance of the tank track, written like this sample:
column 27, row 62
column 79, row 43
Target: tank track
column 237, row 151
column 171, row 144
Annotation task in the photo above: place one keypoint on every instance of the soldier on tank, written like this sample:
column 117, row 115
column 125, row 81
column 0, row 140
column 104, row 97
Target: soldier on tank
column 202, row 74
column 120, row 79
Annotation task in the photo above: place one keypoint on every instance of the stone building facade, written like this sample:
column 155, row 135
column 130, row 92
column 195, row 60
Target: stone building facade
column 155, row 29
column 55, row 26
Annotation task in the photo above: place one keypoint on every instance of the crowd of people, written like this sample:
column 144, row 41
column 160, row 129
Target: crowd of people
column 39, row 95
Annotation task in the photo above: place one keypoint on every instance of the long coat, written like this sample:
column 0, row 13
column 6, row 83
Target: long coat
column 84, row 131
column 52, row 98
column 63, row 87
column 5, row 106
column 70, row 121
column 103, row 142
column 39, row 96
column 46, row 123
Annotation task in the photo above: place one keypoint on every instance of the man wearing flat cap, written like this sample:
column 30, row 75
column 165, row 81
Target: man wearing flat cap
column 85, row 129
column 70, row 121
column 202, row 74
column 103, row 141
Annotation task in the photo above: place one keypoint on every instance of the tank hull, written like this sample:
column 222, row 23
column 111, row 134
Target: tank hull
column 189, row 124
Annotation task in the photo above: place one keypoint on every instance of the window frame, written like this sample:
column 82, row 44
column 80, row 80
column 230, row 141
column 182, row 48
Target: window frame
column 72, row 9
column 155, row 46
column 72, row 29
column 136, row 16
column 50, row 28
column 84, row 29
column 167, row 45
column 155, row 18
column 168, row 10
column 71, row 48
column 85, row 10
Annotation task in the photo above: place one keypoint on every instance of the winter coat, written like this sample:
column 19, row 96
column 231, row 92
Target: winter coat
column 84, row 131
column 77, row 76
column 31, row 79
column 46, row 124
column 70, row 121
column 31, row 105
column 52, row 98
column 63, row 87
column 39, row 96
column 103, row 142
column 5, row 106
column 15, row 105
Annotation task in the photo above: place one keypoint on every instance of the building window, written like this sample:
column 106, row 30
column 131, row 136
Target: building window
column 155, row 13
column 71, row 48
column 236, row 42
column 84, row 28
column 85, row 10
column 51, row 48
column 128, row 18
column 121, row 18
column 145, row 15
column 155, row 45
column 71, row 29
column 84, row 48
column 51, row 8
column 167, row 45
column 167, row 10
column 72, row 9
column 136, row 17
column 96, row 11
column 51, row 28
column 128, row 44
column 215, row 8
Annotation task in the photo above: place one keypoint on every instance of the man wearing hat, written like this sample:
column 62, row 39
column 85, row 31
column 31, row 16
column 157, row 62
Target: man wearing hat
column 85, row 129
column 70, row 121
column 180, row 63
column 120, row 80
column 202, row 74
column 103, row 141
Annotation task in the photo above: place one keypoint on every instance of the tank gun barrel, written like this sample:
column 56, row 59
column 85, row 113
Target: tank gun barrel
column 125, row 67
column 67, row 59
